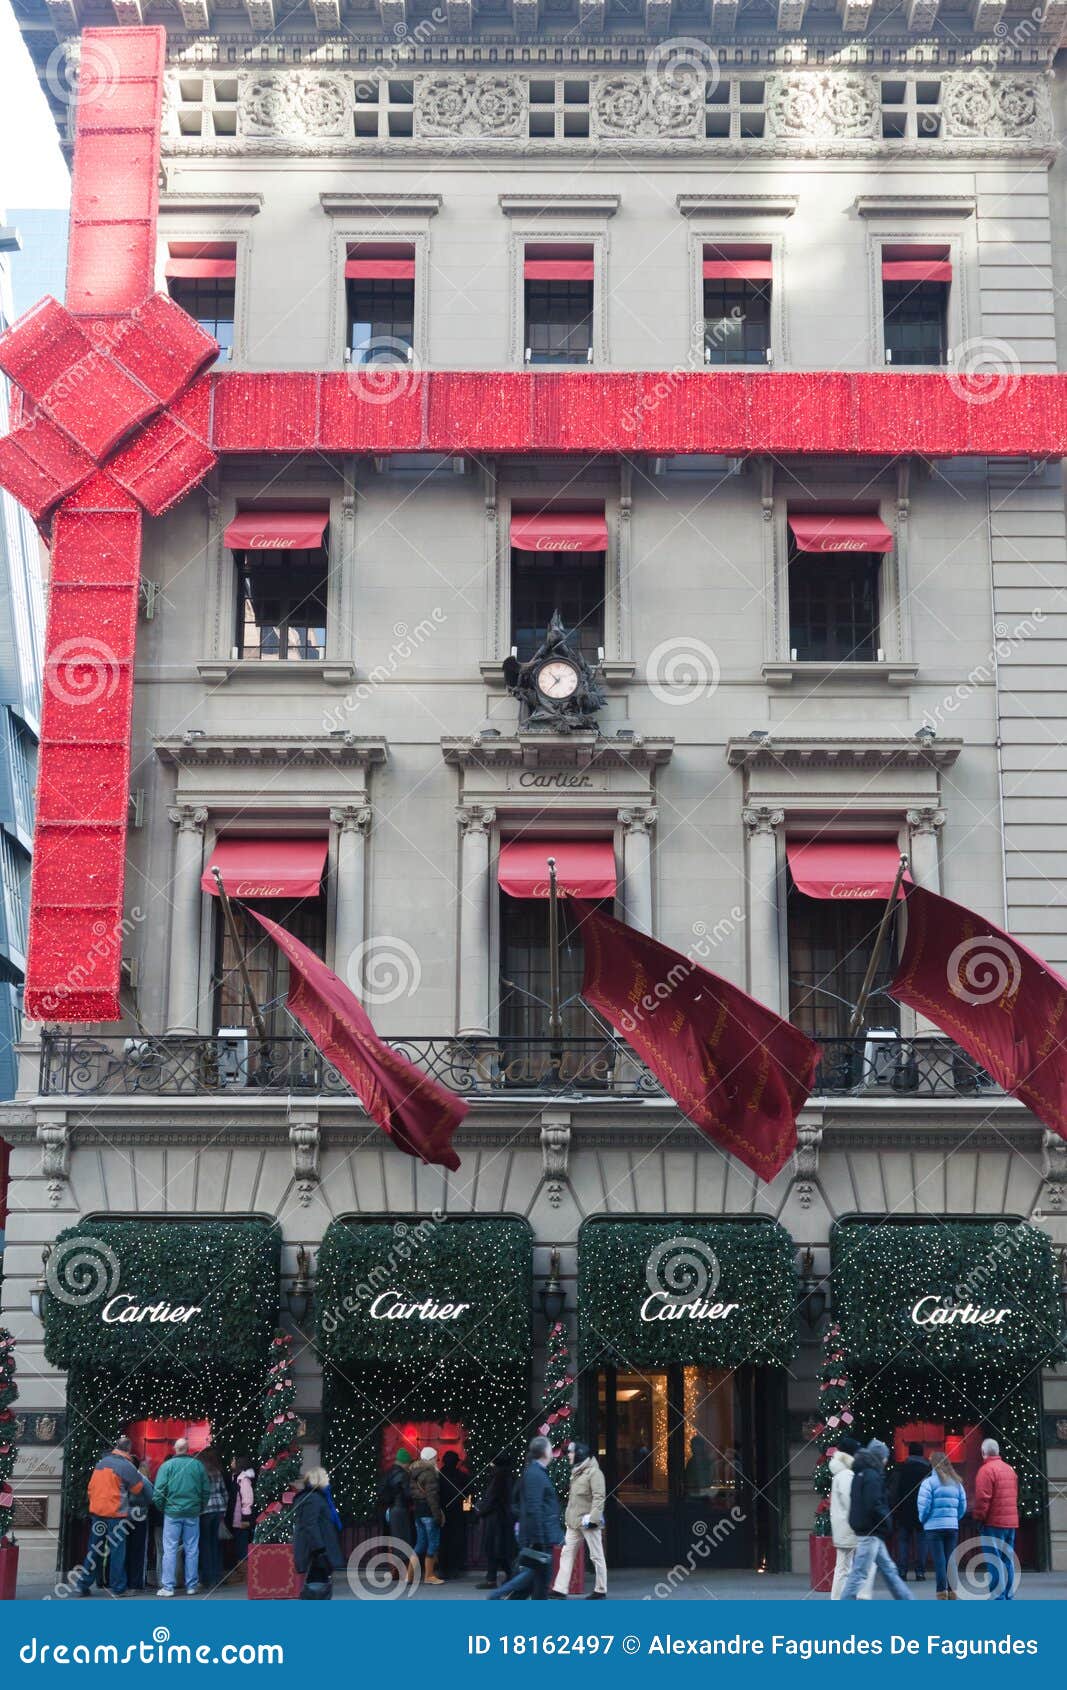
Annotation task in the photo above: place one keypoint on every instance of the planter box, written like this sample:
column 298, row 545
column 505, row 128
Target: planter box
column 271, row 1574
column 9, row 1570
column 823, row 1557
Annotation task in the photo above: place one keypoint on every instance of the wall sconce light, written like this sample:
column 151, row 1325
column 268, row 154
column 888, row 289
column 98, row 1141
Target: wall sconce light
column 39, row 1288
column 812, row 1297
column 300, row 1295
column 553, row 1298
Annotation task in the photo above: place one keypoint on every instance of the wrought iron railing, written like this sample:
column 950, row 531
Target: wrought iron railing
column 170, row 1065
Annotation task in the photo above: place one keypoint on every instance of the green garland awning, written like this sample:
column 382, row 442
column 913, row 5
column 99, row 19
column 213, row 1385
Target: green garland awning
column 945, row 1294
column 716, row 1293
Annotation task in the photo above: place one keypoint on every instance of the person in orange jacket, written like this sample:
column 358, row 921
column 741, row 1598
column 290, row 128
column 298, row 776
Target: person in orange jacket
column 996, row 1508
column 114, row 1480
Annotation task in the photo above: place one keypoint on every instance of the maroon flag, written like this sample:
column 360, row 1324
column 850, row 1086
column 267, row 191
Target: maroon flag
column 996, row 998
column 735, row 1068
column 419, row 1115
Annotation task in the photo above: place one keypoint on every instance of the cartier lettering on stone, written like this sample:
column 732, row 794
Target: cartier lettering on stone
column 530, row 778
column 936, row 1311
column 390, row 1305
column 121, row 1310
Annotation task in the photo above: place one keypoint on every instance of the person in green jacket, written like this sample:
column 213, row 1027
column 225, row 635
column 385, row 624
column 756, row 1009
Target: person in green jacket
column 181, row 1495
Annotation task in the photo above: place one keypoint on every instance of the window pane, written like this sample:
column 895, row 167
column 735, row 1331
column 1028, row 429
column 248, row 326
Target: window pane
column 570, row 582
column 268, row 967
column 281, row 607
column 524, row 982
column 737, row 321
column 381, row 320
column 915, row 316
column 559, row 321
column 833, row 606
column 830, row 945
column 210, row 302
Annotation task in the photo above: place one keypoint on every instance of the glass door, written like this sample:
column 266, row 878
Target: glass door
column 633, row 1437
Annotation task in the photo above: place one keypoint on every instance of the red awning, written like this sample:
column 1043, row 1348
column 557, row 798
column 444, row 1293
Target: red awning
column 267, row 868
column 196, row 269
column 558, row 269
column 381, row 269
column 585, row 868
column 815, row 532
column 844, row 868
column 276, row 531
column 916, row 270
column 737, row 269
column 560, row 531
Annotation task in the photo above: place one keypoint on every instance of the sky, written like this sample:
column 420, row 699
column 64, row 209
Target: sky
column 32, row 170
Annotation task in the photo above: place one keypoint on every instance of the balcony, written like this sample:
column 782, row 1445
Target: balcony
column 79, row 1065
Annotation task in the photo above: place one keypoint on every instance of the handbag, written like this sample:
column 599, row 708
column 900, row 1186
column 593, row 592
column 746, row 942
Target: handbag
column 536, row 1559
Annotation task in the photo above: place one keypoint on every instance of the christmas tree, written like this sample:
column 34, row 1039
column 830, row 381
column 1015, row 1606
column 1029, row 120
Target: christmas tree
column 279, row 1454
column 8, row 1393
column 834, row 1419
column 557, row 1406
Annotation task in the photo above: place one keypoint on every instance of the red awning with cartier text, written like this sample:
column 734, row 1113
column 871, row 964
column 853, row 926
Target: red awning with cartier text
column 844, row 868
column 276, row 531
column 560, row 531
column 585, row 868
column 267, row 868
column 815, row 532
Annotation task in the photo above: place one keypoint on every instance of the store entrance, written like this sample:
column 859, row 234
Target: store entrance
column 687, row 1454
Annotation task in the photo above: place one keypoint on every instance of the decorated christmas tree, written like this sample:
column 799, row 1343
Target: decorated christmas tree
column 279, row 1453
column 834, row 1419
column 557, row 1406
column 8, row 1393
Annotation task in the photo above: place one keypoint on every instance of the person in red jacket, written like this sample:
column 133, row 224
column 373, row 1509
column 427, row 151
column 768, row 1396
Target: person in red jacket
column 996, row 1508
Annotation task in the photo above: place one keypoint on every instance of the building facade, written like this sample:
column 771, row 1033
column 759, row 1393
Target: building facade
column 806, row 665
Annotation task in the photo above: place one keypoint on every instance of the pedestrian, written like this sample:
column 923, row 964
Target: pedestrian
column 243, row 1512
column 871, row 1519
column 584, row 1522
column 113, row 1483
column 904, row 1498
column 942, row 1503
column 455, row 1489
column 182, row 1491
column 395, row 1501
column 137, row 1544
column 425, row 1480
column 317, row 1551
column 539, row 1527
column 211, row 1520
column 996, row 1508
column 844, row 1537
column 498, row 1523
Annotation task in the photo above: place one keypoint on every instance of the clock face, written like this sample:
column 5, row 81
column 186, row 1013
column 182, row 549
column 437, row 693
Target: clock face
column 557, row 679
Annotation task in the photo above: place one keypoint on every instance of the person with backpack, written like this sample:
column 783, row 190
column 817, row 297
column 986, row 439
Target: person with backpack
column 425, row 1481
column 942, row 1503
column 871, row 1518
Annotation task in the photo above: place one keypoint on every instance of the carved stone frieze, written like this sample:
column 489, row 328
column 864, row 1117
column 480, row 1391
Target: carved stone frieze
column 312, row 106
column 472, row 106
column 977, row 103
column 835, row 105
column 629, row 107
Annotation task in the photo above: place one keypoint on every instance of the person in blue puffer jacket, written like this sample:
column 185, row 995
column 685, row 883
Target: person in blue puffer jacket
column 942, row 1504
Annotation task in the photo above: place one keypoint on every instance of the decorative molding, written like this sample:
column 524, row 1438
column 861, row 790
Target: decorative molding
column 380, row 204
column 783, row 672
column 860, row 751
column 555, row 1153
column 274, row 751
column 232, row 204
column 639, row 819
column 476, row 818
column 556, row 751
column 305, row 1145
column 559, row 205
column 761, row 818
column 480, row 105
column 54, row 1137
column 352, row 818
column 806, row 1162
column 737, row 205
column 188, row 818
column 1053, row 1172
column 915, row 205
column 929, row 820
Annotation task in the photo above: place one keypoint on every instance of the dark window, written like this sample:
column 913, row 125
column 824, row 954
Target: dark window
column 915, row 318
column 559, row 321
column 381, row 320
column 524, row 983
column 281, row 606
column 833, row 606
column 830, row 945
column 570, row 582
column 209, row 300
column 268, row 967
column 737, row 321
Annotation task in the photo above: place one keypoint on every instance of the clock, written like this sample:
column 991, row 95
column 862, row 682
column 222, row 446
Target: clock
column 557, row 679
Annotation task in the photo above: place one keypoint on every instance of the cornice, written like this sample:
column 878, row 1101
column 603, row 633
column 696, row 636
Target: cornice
column 559, row 205
column 380, row 204
column 737, row 205
column 915, row 205
column 276, row 751
column 852, row 751
column 556, row 750
column 232, row 204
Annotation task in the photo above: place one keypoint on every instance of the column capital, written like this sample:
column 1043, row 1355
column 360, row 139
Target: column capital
column 475, row 818
column 188, row 818
column 352, row 818
column 639, row 818
column 927, row 820
column 760, row 818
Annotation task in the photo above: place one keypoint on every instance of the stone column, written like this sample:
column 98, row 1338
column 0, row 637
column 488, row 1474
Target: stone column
column 183, row 985
column 637, row 866
column 764, row 948
column 352, row 822
column 923, row 828
column 476, row 822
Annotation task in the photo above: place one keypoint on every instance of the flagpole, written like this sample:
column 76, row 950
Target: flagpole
column 257, row 1014
column 856, row 1019
column 555, row 1018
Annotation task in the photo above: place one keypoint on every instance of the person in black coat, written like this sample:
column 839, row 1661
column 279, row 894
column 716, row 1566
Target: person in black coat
column 540, row 1527
column 498, row 1523
column 396, row 1502
column 455, row 1488
column 317, row 1549
column 904, row 1497
column 871, row 1518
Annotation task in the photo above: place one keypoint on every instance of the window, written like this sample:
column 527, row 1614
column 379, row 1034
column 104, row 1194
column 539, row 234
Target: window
column 380, row 292
column 734, row 110
column 268, row 967
column 559, row 108
column 830, row 945
column 202, row 280
column 524, row 972
column 558, row 300
column 206, row 105
column 911, row 110
column 281, row 606
column 572, row 583
column 915, row 284
column 835, row 585
column 384, row 107
column 737, row 304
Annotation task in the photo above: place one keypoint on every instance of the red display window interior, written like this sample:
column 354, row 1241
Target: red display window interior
column 153, row 1440
column 417, row 1435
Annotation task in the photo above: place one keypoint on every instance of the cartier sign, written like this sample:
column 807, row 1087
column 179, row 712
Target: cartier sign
column 392, row 1305
column 123, row 1311
column 553, row 782
column 662, row 1306
column 937, row 1311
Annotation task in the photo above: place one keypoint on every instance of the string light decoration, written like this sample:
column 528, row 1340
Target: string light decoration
column 557, row 1405
column 621, row 1264
column 379, row 1372
column 835, row 1419
column 210, row 1367
column 280, row 1454
column 8, row 1393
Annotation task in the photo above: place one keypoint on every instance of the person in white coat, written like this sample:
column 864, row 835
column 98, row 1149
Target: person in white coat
column 843, row 1535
